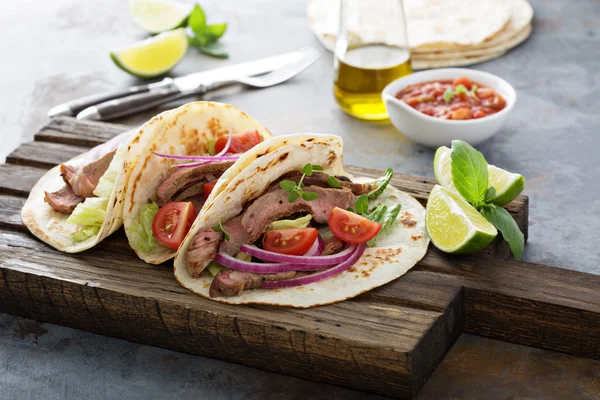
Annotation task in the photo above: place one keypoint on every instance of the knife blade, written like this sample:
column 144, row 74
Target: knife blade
column 187, row 82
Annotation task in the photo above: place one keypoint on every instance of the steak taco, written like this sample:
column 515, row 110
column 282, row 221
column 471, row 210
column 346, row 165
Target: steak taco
column 292, row 228
column 78, row 203
column 185, row 163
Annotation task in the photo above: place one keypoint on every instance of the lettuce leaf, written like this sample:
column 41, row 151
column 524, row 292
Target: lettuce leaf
column 91, row 213
column 140, row 232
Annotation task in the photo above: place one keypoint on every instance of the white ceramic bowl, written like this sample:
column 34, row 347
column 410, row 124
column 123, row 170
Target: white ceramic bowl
column 435, row 132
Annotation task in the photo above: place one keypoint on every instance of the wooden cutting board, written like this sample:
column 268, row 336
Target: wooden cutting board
column 386, row 341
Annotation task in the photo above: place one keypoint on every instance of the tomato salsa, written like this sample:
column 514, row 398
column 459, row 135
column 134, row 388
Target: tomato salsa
column 456, row 100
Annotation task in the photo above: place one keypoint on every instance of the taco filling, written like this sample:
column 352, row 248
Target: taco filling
column 307, row 226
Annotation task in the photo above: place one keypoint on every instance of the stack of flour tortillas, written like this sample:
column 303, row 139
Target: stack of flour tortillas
column 441, row 33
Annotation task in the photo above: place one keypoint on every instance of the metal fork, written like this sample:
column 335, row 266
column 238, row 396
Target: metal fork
column 139, row 102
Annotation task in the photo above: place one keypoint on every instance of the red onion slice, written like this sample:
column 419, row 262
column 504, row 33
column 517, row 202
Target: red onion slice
column 319, row 276
column 202, row 158
column 222, row 152
column 262, row 268
column 316, row 249
column 304, row 260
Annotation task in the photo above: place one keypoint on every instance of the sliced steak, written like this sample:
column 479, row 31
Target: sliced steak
column 202, row 250
column 321, row 179
column 230, row 282
column 63, row 200
column 85, row 179
column 237, row 236
column 188, row 181
column 332, row 245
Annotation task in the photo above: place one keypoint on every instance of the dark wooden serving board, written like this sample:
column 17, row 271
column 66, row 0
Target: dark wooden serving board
column 387, row 341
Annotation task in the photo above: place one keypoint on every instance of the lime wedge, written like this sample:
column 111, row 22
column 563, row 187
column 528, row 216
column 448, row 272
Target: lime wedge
column 154, row 56
column 156, row 16
column 454, row 226
column 508, row 185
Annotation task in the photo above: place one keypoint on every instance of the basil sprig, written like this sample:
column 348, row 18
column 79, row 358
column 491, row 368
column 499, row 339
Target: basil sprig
column 206, row 36
column 470, row 177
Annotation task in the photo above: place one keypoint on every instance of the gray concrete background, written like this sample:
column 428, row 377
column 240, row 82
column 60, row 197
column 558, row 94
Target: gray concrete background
column 57, row 50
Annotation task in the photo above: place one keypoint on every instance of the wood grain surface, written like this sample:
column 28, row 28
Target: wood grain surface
column 387, row 341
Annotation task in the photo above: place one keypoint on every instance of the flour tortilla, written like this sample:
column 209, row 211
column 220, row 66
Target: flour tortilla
column 466, row 48
column 393, row 256
column 183, row 131
column 52, row 227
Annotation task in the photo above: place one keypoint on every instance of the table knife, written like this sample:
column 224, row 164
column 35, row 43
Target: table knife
column 168, row 85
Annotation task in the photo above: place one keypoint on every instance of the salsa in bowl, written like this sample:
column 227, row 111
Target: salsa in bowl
column 436, row 106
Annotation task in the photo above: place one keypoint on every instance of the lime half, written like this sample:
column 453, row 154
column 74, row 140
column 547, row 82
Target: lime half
column 156, row 16
column 508, row 185
column 152, row 57
column 454, row 226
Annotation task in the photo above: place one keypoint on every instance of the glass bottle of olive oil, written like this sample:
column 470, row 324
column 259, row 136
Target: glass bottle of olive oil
column 371, row 51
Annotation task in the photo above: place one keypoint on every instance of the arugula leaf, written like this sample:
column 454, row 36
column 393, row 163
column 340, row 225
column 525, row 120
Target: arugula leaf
column 333, row 182
column 377, row 213
column 307, row 169
column 502, row 220
column 219, row 228
column 490, row 194
column 308, row 196
column 362, row 204
column 197, row 20
column 382, row 183
column 387, row 221
column 469, row 172
column 448, row 95
column 287, row 186
column 214, row 49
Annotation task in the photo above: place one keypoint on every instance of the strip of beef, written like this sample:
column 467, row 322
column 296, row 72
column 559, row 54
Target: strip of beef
column 64, row 200
column 332, row 245
column 230, row 282
column 85, row 179
column 321, row 179
column 238, row 235
column 202, row 250
column 188, row 181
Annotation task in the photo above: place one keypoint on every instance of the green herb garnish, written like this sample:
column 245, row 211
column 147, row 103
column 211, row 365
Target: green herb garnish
column 295, row 189
column 450, row 93
column 219, row 228
column 387, row 219
column 362, row 204
column 333, row 182
column 470, row 177
column 205, row 36
column 382, row 184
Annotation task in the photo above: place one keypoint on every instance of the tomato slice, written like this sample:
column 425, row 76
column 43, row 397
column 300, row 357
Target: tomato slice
column 463, row 80
column 208, row 188
column 290, row 241
column 172, row 222
column 351, row 227
column 240, row 142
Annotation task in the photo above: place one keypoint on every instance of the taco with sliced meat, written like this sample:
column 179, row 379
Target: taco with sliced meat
column 292, row 228
column 184, row 164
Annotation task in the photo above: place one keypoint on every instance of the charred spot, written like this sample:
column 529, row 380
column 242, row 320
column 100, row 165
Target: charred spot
column 115, row 202
column 283, row 156
column 416, row 237
column 365, row 274
column 281, row 202
column 207, row 239
column 409, row 223
column 310, row 140
column 331, row 156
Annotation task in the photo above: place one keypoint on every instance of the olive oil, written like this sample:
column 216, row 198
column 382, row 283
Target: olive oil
column 362, row 73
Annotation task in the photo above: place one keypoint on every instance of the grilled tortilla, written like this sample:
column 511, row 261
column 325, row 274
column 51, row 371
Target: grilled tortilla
column 186, row 130
column 393, row 255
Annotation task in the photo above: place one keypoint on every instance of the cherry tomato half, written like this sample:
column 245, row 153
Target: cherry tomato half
column 351, row 227
column 208, row 188
column 290, row 241
column 172, row 222
column 463, row 80
column 240, row 142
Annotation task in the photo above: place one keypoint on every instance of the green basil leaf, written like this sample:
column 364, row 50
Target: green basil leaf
column 215, row 31
column 502, row 220
column 362, row 204
column 219, row 228
column 294, row 196
column 317, row 168
column 469, row 172
column 448, row 95
column 214, row 50
column 197, row 20
column 308, row 196
column 382, row 183
column 333, row 182
column 490, row 194
column 307, row 169
column 287, row 186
